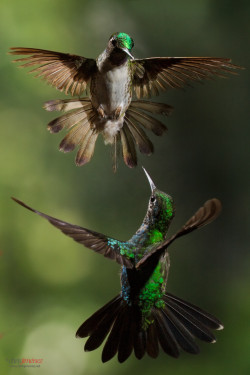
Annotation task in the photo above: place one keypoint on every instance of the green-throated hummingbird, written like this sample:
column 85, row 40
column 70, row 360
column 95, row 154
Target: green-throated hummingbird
column 109, row 82
column 144, row 315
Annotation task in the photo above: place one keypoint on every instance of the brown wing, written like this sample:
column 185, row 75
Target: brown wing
column 61, row 70
column 98, row 242
column 157, row 74
column 205, row 215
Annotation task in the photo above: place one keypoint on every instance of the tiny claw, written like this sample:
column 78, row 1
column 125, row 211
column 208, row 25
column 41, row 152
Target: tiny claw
column 100, row 111
column 117, row 113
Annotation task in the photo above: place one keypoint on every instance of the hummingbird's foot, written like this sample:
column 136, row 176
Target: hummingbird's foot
column 100, row 111
column 117, row 113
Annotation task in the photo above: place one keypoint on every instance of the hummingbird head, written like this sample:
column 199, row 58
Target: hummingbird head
column 123, row 42
column 160, row 209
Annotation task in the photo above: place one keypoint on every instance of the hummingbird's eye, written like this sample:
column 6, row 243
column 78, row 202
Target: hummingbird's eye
column 152, row 199
column 114, row 42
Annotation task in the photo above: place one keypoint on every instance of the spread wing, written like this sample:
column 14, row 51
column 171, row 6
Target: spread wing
column 156, row 74
column 98, row 242
column 61, row 70
column 205, row 215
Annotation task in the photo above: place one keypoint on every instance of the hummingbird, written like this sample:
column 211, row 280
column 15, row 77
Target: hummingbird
column 109, row 83
column 144, row 315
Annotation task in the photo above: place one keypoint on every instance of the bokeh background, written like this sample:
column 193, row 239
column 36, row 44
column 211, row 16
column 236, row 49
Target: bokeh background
column 49, row 284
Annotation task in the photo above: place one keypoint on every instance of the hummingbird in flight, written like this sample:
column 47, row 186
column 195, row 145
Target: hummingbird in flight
column 109, row 83
column 144, row 315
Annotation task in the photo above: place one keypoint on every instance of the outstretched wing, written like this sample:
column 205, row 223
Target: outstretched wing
column 156, row 74
column 98, row 242
column 205, row 215
column 61, row 70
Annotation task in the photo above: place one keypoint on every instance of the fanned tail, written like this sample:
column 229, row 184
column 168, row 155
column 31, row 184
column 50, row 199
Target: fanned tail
column 137, row 115
column 132, row 133
column 178, row 323
column 84, row 123
column 80, row 123
column 174, row 327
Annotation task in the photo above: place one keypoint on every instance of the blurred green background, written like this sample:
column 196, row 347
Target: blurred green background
column 50, row 284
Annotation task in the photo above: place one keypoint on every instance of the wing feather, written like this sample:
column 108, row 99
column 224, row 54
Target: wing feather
column 61, row 70
column 98, row 242
column 176, row 72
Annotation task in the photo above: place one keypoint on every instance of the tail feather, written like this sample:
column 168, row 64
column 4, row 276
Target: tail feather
column 149, row 122
column 152, row 341
column 140, row 137
column 81, row 124
column 128, row 147
column 88, row 327
column 87, row 148
column 116, row 151
column 202, row 316
column 111, row 346
column 68, row 120
column 152, row 107
column 140, row 343
column 82, row 110
column 98, row 336
column 101, row 330
column 192, row 324
column 126, row 343
column 183, row 336
column 67, row 105
column 173, row 327
column 75, row 136
column 166, row 337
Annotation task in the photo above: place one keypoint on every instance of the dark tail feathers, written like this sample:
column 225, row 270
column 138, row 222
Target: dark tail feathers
column 173, row 327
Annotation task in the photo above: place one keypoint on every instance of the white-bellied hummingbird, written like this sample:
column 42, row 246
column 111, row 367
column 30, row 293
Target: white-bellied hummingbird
column 144, row 315
column 109, row 82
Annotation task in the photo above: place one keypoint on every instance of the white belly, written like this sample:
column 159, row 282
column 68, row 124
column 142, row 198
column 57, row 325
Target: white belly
column 111, row 90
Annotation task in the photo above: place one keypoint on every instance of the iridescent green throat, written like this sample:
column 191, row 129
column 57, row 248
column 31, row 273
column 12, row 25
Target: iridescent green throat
column 161, row 218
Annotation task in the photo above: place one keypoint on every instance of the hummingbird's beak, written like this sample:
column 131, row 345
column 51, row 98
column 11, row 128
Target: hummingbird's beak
column 152, row 185
column 128, row 53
